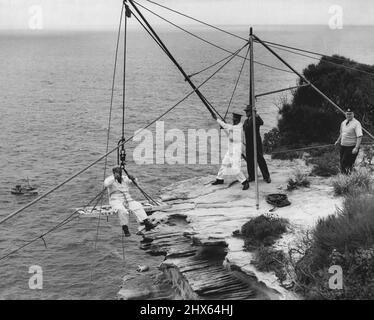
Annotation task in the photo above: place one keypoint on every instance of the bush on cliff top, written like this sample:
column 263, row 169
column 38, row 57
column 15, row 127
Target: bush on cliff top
column 308, row 118
column 360, row 180
column 263, row 230
column 345, row 239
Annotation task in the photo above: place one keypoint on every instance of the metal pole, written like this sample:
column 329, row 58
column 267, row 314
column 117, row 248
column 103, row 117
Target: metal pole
column 252, row 102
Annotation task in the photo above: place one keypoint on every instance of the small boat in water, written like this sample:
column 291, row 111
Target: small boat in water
column 27, row 190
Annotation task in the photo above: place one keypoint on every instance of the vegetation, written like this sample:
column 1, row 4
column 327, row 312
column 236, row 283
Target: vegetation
column 259, row 234
column 268, row 259
column 368, row 157
column 345, row 239
column 263, row 230
column 299, row 180
column 326, row 164
column 309, row 119
column 358, row 181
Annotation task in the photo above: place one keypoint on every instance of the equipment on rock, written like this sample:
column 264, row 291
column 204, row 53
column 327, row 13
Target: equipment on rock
column 277, row 200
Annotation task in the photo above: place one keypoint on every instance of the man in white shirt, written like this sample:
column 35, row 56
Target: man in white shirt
column 121, row 201
column 231, row 163
column 349, row 140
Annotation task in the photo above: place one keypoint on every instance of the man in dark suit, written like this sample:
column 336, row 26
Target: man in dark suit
column 248, row 131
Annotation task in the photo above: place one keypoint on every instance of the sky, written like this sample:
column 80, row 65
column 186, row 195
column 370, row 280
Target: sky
column 104, row 14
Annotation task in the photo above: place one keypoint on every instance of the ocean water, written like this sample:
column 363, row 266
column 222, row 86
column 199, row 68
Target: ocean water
column 54, row 106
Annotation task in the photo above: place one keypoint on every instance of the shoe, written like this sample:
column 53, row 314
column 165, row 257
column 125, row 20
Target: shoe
column 126, row 231
column 245, row 185
column 148, row 225
column 218, row 181
column 268, row 180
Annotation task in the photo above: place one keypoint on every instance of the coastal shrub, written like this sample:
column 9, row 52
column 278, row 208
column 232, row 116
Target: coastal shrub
column 268, row 259
column 271, row 140
column 305, row 124
column 263, row 230
column 368, row 157
column 345, row 239
column 299, row 180
column 326, row 165
column 359, row 180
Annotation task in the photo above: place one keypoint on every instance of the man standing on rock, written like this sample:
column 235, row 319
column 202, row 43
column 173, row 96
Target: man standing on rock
column 349, row 140
column 121, row 201
column 231, row 163
column 248, row 130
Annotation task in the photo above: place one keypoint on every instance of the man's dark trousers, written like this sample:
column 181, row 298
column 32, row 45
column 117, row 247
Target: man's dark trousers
column 347, row 159
column 248, row 130
column 260, row 160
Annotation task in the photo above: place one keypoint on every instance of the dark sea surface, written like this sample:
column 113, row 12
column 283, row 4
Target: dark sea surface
column 54, row 103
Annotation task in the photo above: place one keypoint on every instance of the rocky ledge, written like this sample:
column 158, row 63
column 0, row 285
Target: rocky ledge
column 202, row 258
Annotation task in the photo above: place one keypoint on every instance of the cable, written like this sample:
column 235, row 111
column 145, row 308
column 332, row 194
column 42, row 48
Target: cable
column 318, row 59
column 112, row 150
column 59, row 225
column 124, row 76
column 307, row 81
column 236, row 84
column 268, row 42
column 150, row 30
column 207, row 41
column 197, row 20
column 301, row 149
column 280, row 90
column 211, row 66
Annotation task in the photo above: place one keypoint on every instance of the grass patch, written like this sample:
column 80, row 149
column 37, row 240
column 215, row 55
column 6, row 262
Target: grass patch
column 263, row 230
column 360, row 179
column 326, row 164
column 299, row 180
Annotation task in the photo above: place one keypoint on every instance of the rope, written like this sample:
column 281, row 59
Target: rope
column 159, row 42
column 112, row 150
column 312, row 147
column 281, row 90
column 124, row 76
column 307, row 81
column 301, row 149
column 151, row 35
column 236, row 84
column 207, row 41
column 199, row 94
column 197, row 20
column 108, row 132
column 207, row 68
column 62, row 223
column 280, row 47
column 268, row 42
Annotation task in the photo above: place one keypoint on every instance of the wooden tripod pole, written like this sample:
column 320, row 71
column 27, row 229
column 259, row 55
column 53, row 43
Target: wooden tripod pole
column 252, row 102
